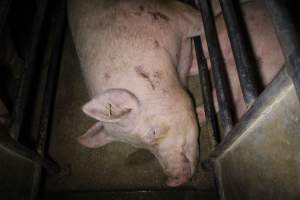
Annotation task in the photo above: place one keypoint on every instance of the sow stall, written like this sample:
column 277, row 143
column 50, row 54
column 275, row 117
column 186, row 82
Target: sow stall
column 255, row 158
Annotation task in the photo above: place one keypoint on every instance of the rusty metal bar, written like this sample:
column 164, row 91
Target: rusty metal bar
column 288, row 36
column 218, row 67
column 245, row 68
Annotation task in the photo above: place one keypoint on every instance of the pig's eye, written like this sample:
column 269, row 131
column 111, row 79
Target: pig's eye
column 153, row 132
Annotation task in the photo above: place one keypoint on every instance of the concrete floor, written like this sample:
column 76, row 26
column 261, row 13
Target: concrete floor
column 115, row 166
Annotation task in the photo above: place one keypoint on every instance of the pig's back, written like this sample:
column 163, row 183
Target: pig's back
column 112, row 38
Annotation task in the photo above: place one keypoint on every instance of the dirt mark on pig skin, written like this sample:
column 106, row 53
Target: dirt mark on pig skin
column 141, row 72
column 107, row 76
column 157, row 75
column 158, row 15
column 156, row 44
column 141, row 10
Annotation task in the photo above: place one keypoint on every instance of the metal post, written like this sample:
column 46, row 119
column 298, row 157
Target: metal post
column 19, row 113
column 288, row 37
column 210, row 112
column 245, row 67
column 55, row 46
column 4, row 8
column 218, row 66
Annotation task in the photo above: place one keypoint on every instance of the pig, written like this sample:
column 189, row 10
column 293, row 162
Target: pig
column 135, row 56
column 266, row 47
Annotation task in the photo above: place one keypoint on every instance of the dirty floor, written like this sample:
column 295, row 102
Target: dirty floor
column 115, row 166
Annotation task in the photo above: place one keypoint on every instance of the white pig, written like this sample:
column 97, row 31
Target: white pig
column 135, row 56
column 265, row 45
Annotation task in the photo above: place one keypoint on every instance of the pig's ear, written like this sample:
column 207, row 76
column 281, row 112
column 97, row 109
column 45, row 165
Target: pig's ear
column 112, row 105
column 95, row 137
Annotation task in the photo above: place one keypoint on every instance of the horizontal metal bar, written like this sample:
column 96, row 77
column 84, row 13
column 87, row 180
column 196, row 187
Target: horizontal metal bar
column 205, row 83
column 19, row 112
column 245, row 68
column 218, row 66
column 4, row 10
column 288, row 36
column 134, row 195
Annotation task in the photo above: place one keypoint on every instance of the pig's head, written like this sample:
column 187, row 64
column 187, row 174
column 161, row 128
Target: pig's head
column 166, row 126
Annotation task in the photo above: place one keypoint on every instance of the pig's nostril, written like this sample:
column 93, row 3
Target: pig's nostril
column 175, row 181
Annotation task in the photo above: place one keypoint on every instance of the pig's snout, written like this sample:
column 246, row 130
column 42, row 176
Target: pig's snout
column 177, row 180
column 179, row 174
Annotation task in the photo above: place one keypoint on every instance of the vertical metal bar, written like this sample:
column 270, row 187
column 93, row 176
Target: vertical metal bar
column 218, row 67
column 55, row 44
column 4, row 8
column 206, row 89
column 7, row 143
column 288, row 36
column 19, row 113
column 241, row 53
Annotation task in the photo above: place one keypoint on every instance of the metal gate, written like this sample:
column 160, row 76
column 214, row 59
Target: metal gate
column 255, row 158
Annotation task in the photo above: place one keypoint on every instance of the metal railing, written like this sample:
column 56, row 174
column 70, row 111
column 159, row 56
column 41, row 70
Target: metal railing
column 55, row 12
column 246, row 68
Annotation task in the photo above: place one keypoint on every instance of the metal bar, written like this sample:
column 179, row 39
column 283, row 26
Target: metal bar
column 12, row 147
column 210, row 112
column 288, row 36
column 55, row 45
column 4, row 8
column 182, row 194
column 245, row 67
column 218, row 180
column 21, row 103
column 276, row 88
column 218, row 67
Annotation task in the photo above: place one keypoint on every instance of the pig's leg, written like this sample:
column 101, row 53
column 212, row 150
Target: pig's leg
column 185, row 60
column 191, row 24
column 200, row 109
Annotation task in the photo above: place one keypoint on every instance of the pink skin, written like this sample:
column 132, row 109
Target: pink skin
column 266, row 48
column 135, row 56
